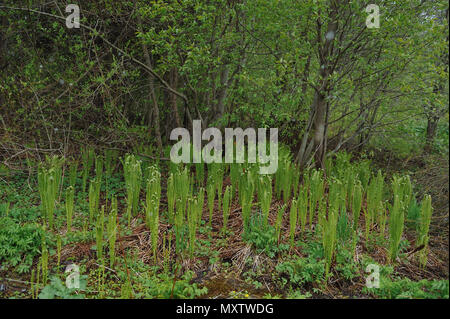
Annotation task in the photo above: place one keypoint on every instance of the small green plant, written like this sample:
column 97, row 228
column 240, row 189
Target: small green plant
column 235, row 171
column 303, row 207
column 292, row 221
column 152, row 205
column 70, row 195
column 211, row 193
column 57, row 290
column 192, row 218
column 49, row 181
column 265, row 196
column 93, row 199
column 19, row 244
column 226, row 206
column 171, row 198
column 99, row 233
column 356, row 204
column 374, row 211
column 423, row 228
column 246, row 194
column 279, row 221
column 58, row 249
column 329, row 225
column 44, row 261
column 396, row 224
column 112, row 232
column 263, row 238
column 315, row 194
column 407, row 289
column 133, row 178
column 300, row 271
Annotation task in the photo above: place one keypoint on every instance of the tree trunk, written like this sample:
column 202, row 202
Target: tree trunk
column 432, row 124
column 174, row 84
column 320, row 103
column 319, row 129
column 152, row 96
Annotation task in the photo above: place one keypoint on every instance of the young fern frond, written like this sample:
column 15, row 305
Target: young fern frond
column 279, row 221
column 49, row 182
column 396, row 224
column 329, row 237
column 112, row 232
column 303, row 207
column 292, row 221
column 153, row 197
column 265, row 197
column 226, row 207
column 192, row 223
column 133, row 180
column 200, row 204
column 99, row 232
column 356, row 204
column 246, row 193
column 93, row 199
column 423, row 228
column 211, row 193
column 316, row 192
column 70, row 195
column 171, row 198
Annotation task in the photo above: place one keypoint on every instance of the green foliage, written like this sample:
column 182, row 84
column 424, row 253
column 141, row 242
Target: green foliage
column 94, row 198
column 345, row 264
column 303, row 207
column 344, row 227
column 246, row 194
column 292, row 221
column 19, row 244
column 396, row 224
column 413, row 216
column 407, row 289
column 226, row 206
column 263, row 239
column 163, row 286
column 423, row 228
column 99, row 227
column 49, row 181
column 374, row 211
column 315, row 193
column 300, row 271
column 70, row 196
column 329, row 225
column 265, row 196
column 112, row 232
column 153, row 197
column 133, row 180
column 56, row 289
column 279, row 221
column 356, row 203
column 171, row 197
column 211, row 193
